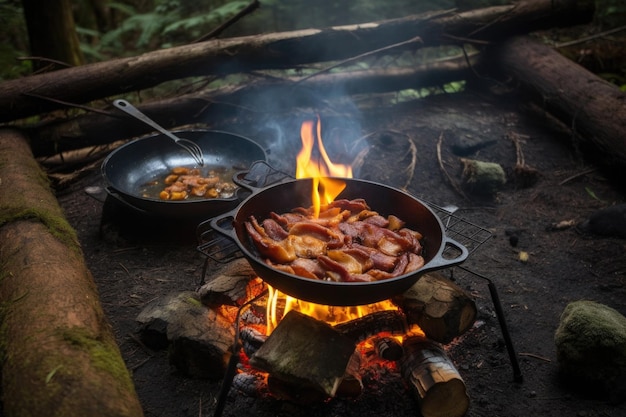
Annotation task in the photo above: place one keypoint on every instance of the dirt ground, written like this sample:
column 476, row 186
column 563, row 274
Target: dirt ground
column 134, row 262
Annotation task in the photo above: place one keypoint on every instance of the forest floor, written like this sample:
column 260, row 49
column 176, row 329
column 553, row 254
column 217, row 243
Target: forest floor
column 132, row 265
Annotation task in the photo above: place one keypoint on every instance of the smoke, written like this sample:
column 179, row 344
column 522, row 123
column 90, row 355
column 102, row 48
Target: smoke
column 283, row 113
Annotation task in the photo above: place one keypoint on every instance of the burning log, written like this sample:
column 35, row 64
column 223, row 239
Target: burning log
column 306, row 358
column 388, row 321
column 442, row 309
column 431, row 374
column 59, row 352
column 388, row 348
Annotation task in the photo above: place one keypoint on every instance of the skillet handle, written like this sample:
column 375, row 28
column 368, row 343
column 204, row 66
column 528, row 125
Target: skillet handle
column 439, row 262
column 260, row 175
column 223, row 224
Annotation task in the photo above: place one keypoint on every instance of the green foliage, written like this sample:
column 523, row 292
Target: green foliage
column 610, row 13
column 200, row 24
column 13, row 41
column 142, row 28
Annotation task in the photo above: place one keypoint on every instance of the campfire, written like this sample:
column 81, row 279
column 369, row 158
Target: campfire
column 306, row 352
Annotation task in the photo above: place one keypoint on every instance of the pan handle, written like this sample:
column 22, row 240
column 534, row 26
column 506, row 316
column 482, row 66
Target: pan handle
column 439, row 262
column 260, row 176
column 223, row 224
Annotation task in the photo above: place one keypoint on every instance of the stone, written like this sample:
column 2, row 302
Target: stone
column 609, row 221
column 591, row 346
column 483, row 178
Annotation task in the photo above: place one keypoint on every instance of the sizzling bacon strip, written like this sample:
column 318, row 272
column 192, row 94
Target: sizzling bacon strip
column 347, row 242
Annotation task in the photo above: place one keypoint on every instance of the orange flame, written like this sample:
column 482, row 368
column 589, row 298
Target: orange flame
column 326, row 187
column 320, row 170
column 329, row 314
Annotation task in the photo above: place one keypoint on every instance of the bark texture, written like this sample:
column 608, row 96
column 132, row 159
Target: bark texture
column 201, row 107
column 46, row 92
column 594, row 109
column 59, row 355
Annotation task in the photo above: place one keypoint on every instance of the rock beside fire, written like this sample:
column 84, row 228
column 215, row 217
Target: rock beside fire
column 198, row 337
column 484, row 178
column 442, row 309
column 591, row 347
column 306, row 358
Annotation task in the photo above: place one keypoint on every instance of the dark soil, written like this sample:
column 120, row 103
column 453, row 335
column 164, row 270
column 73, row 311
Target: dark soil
column 135, row 259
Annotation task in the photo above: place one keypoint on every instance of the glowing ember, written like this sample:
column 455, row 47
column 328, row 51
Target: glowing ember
column 319, row 168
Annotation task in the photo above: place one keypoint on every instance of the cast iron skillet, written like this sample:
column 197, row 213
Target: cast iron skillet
column 386, row 200
column 130, row 167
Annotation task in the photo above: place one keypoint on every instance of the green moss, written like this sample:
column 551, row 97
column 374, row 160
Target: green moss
column 37, row 203
column 591, row 343
column 55, row 223
column 103, row 354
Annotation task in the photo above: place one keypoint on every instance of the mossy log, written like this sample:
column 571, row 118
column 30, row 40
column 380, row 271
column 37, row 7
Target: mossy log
column 59, row 354
column 591, row 107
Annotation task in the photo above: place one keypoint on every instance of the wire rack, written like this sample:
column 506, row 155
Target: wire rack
column 463, row 231
column 221, row 249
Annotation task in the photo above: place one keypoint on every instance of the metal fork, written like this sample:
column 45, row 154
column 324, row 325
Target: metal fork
column 188, row 145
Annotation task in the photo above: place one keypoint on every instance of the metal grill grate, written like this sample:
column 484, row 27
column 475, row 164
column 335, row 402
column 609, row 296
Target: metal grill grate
column 466, row 233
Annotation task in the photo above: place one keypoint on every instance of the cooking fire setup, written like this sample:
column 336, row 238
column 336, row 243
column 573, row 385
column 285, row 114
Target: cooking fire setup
column 343, row 274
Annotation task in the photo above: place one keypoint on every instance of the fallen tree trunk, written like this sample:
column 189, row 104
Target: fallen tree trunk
column 594, row 109
column 60, row 357
column 203, row 106
column 56, row 90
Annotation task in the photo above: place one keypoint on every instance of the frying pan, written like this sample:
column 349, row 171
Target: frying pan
column 130, row 167
column 385, row 200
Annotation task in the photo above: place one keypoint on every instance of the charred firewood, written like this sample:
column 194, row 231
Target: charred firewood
column 428, row 370
column 442, row 309
column 389, row 321
column 250, row 384
column 388, row 348
column 251, row 340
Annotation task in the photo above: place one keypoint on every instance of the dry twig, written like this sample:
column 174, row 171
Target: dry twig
column 411, row 168
column 525, row 176
column 216, row 32
column 577, row 175
column 443, row 169
column 364, row 55
column 590, row 38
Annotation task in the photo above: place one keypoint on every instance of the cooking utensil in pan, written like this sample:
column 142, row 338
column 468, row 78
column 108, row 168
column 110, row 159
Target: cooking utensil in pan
column 186, row 144
column 384, row 199
column 128, row 169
